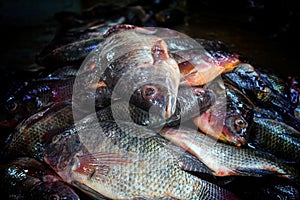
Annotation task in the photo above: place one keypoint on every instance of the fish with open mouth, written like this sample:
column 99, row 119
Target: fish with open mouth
column 124, row 161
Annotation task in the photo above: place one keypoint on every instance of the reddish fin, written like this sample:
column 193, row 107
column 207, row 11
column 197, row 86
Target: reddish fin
column 100, row 162
column 160, row 51
column 186, row 67
column 118, row 28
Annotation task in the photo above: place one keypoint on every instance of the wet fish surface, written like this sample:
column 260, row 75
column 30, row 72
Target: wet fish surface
column 191, row 101
column 29, row 136
column 26, row 178
column 225, row 160
column 125, row 161
column 277, row 138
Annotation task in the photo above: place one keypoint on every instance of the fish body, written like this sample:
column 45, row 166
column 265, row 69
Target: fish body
column 263, row 92
column 251, row 83
column 71, row 53
column 226, row 160
column 32, row 133
column 275, row 137
column 27, row 178
column 125, row 161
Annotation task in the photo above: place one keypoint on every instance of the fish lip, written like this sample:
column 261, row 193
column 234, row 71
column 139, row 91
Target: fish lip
column 169, row 106
column 228, row 136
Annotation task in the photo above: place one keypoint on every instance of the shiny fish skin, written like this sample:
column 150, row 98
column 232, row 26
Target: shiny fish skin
column 30, row 135
column 276, row 138
column 34, row 96
column 198, row 65
column 142, row 63
column 26, row 178
column 70, row 53
column 253, row 84
column 226, row 160
column 191, row 101
column 125, row 161
column 229, row 119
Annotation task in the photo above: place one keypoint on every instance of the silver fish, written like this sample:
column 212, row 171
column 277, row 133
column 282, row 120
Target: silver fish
column 125, row 161
column 227, row 160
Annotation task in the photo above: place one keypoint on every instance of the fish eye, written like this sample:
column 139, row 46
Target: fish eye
column 149, row 91
column 54, row 197
column 240, row 122
column 11, row 106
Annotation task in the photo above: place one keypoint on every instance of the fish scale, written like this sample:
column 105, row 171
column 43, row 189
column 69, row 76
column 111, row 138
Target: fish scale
column 275, row 137
column 138, row 163
column 29, row 136
column 226, row 160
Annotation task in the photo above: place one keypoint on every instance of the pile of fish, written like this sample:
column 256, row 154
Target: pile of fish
column 125, row 111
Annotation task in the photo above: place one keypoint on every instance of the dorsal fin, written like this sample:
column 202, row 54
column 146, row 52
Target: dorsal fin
column 118, row 28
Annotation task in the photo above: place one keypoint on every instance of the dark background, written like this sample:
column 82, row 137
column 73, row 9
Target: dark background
column 265, row 31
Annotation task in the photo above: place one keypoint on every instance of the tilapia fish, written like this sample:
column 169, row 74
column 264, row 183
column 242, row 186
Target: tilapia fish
column 229, row 119
column 26, row 178
column 263, row 92
column 191, row 101
column 29, row 136
column 276, row 138
column 137, row 65
column 226, row 160
column 124, row 161
column 31, row 97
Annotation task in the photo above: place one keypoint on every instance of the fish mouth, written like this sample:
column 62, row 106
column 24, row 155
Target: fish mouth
column 169, row 106
column 215, row 128
column 227, row 136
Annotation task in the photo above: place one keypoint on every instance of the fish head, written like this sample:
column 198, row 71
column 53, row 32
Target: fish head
column 155, row 98
column 236, row 127
column 18, row 105
column 13, row 111
column 53, row 191
column 219, row 125
column 59, row 152
column 205, row 97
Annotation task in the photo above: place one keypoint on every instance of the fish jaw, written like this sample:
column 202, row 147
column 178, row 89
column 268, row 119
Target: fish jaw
column 214, row 126
column 169, row 107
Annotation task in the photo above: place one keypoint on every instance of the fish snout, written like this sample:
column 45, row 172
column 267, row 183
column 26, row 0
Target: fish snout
column 169, row 106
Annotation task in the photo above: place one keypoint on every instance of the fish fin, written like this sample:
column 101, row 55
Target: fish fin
column 190, row 163
column 118, row 28
column 186, row 67
column 91, row 192
column 159, row 51
column 254, row 172
column 187, row 161
column 100, row 162
column 151, row 198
